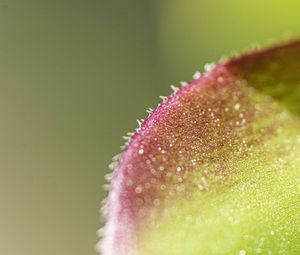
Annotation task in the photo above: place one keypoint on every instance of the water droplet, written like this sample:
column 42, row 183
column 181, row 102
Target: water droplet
column 220, row 79
column 180, row 188
column 129, row 182
column 242, row 252
column 156, row 202
column 142, row 212
column 161, row 168
column 141, row 151
column 237, row 106
column 153, row 180
column 172, row 193
column 162, row 187
column 138, row 189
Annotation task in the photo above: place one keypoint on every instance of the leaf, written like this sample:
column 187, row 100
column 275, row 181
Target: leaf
column 215, row 168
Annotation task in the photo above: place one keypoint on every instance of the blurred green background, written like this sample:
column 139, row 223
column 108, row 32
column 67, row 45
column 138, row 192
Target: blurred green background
column 75, row 76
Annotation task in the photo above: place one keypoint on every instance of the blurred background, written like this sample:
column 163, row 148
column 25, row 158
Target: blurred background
column 75, row 76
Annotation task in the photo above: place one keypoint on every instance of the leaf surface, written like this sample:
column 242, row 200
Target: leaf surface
column 215, row 168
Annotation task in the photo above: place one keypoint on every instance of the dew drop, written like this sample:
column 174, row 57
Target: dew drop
column 138, row 189
column 237, row 106
column 142, row 212
column 180, row 188
column 156, row 202
column 129, row 182
column 242, row 252
column 162, row 187
column 220, row 79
